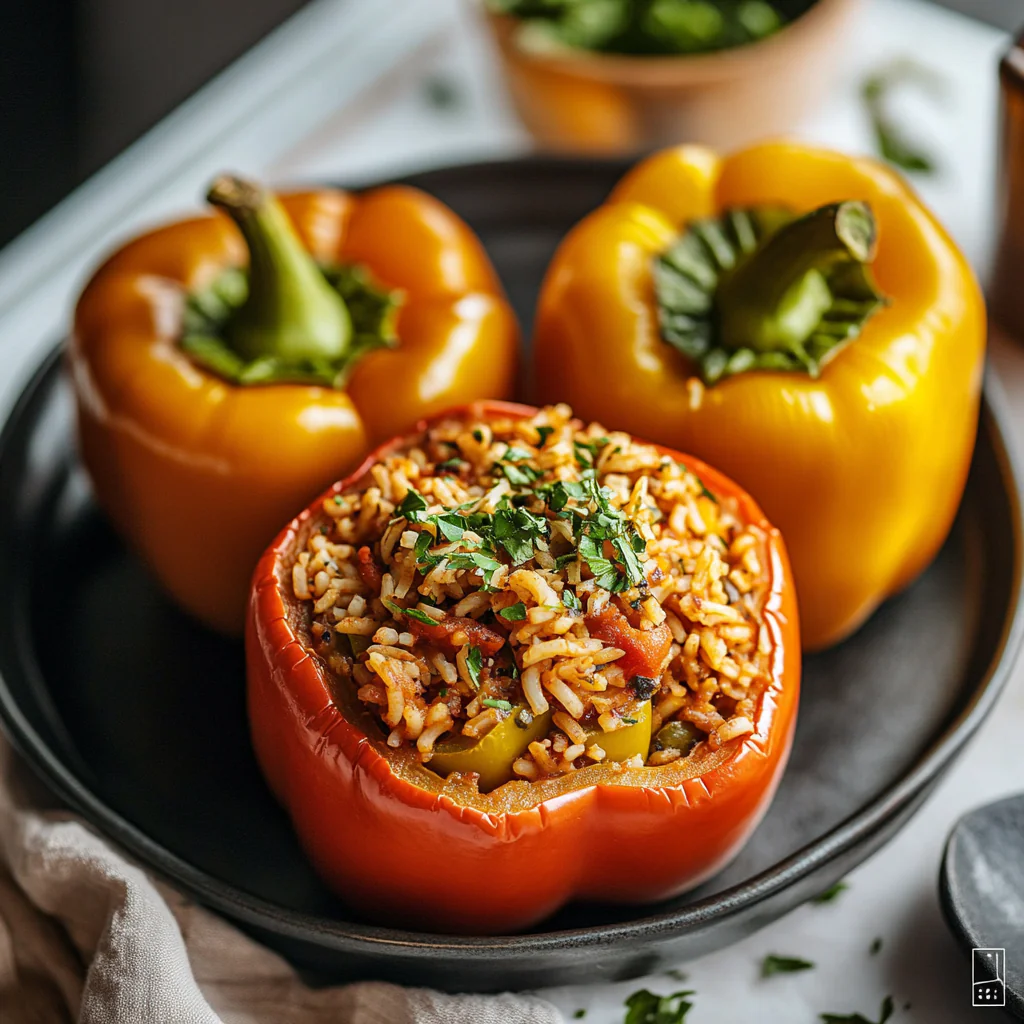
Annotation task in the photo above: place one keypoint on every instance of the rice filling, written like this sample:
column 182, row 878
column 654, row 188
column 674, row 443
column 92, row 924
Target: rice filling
column 520, row 598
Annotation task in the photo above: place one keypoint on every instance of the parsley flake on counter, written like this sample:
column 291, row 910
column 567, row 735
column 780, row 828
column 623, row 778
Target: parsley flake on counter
column 885, row 1012
column 645, row 1007
column 773, row 964
column 890, row 137
column 830, row 894
column 443, row 93
column 876, row 946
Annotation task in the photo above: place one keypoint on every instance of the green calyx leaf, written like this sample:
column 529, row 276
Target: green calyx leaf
column 763, row 289
column 372, row 308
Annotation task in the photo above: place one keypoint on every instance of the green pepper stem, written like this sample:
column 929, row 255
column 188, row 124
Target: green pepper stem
column 775, row 300
column 291, row 312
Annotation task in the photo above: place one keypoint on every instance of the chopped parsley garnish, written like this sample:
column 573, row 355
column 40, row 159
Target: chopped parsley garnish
column 703, row 490
column 571, row 601
column 559, row 493
column 629, row 721
column 884, row 1013
column 645, row 1007
column 514, row 613
column 409, row 613
column 478, row 436
column 453, row 464
column 423, row 543
column 773, row 964
column 338, row 499
column 517, row 455
column 595, row 520
column 443, row 692
column 451, row 525
column 830, row 894
column 587, row 451
column 412, row 507
column 518, row 475
column 501, row 705
column 602, row 536
column 474, row 664
column 471, row 560
column 543, row 433
column 517, row 531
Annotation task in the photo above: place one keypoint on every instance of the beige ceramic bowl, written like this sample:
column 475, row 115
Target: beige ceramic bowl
column 608, row 103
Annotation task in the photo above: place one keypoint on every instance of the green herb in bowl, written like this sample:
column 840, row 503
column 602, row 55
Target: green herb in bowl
column 641, row 27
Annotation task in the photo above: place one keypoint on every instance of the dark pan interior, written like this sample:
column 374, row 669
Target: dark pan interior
column 136, row 715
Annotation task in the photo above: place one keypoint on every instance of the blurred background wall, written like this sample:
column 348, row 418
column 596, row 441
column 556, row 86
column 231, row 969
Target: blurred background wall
column 81, row 79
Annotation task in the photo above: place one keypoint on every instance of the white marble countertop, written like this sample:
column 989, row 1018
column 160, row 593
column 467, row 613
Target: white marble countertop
column 340, row 93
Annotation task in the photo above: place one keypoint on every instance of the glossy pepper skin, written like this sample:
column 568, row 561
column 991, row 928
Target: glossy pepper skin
column 199, row 473
column 862, row 468
column 404, row 846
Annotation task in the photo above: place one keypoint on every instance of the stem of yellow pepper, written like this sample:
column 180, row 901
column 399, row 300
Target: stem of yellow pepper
column 777, row 299
column 291, row 312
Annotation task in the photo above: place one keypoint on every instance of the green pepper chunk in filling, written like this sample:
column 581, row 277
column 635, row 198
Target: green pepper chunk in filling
column 622, row 744
column 492, row 756
column 681, row 736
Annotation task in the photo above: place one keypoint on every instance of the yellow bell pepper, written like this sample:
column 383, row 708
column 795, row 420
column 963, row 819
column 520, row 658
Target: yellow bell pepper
column 799, row 320
column 228, row 368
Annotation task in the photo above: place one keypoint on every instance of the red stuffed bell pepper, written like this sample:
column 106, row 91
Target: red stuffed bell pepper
column 513, row 662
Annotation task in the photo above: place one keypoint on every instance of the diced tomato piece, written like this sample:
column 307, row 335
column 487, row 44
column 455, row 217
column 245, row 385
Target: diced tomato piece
column 368, row 568
column 646, row 649
column 486, row 639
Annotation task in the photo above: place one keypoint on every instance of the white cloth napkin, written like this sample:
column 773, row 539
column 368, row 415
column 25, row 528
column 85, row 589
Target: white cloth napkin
column 86, row 935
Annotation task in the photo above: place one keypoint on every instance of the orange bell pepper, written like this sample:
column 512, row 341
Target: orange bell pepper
column 834, row 368
column 211, row 408
column 402, row 845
